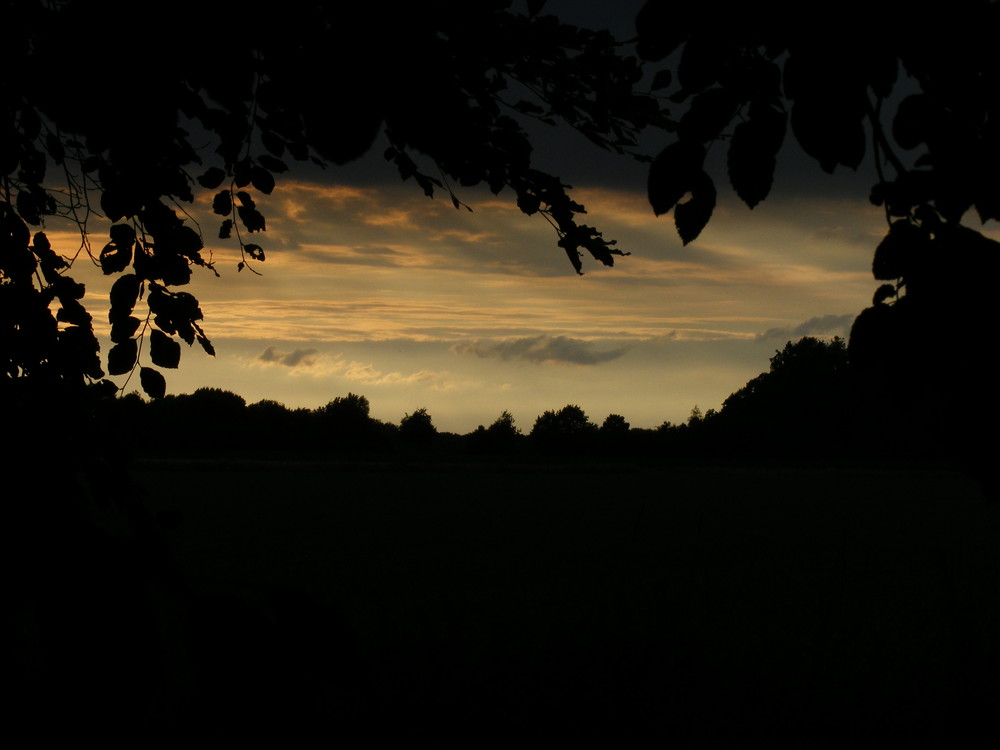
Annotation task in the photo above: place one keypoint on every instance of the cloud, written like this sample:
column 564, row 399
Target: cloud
column 368, row 375
column 297, row 358
column 541, row 349
column 824, row 325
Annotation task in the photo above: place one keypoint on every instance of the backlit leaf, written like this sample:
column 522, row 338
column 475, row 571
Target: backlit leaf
column 709, row 113
column 124, row 294
column 163, row 350
column 124, row 328
column 691, row 216
column 262, row 180
column 672, row 174
column 115, row 258
column 223, row 203
column 153, row 382
column 273, row 143
column 752, row 156
column 212, row 178
column 242, row 173
column 122, row 357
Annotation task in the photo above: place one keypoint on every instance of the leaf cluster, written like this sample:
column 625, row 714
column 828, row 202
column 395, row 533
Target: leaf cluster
column 747, row 85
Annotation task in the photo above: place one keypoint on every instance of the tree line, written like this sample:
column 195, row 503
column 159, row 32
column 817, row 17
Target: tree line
column 802, row 408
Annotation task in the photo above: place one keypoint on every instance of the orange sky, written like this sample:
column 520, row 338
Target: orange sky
column 384, row 292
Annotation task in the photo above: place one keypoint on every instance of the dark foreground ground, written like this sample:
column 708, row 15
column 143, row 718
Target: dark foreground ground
column 527, row 606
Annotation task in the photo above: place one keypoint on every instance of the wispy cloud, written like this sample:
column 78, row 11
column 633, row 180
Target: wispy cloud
column 541, row 349
column 316, row 365
column 823, row 325
column 297, row 358
column 367, row 374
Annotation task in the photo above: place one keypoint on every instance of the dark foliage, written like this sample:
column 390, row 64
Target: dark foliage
column 568, row 431
column 417, row 428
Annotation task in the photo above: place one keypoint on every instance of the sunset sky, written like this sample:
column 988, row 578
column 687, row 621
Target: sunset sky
column 370, row 287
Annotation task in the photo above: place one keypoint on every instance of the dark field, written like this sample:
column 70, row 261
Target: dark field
column 642, row 607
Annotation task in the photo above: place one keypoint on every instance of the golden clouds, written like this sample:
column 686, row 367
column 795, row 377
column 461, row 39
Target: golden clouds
column 311, row 363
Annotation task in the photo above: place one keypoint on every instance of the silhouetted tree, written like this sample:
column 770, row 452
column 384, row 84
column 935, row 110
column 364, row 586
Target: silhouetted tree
column 567, row 431
column 501, row 437
column 417, row 428
column 346, row 420
column 801, row 407
column 614, row 425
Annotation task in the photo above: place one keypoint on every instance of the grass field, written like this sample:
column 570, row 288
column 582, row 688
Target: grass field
column 639, row 606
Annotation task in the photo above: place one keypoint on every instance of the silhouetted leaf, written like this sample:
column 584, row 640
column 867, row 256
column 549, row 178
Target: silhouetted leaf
column 212, row 178
column 122, row 234
column 672, row 173
column 172, row 269
column 242, row 173
column 29, row 207
column 226, row 229
column 124, row 294
column 55, row 148
column 223, row 203
column 884, row 292
column 572, row 253
column 830, row 131
column 115, row 205
column 124, row 328
column 691, row 216
column 269, row 162
column 115, row 258
column 186, row 241
column 163, row 350
column 703, row 58
column 206, row 345
column 252, row 219
column 528, row 203
column 153, row 382
column 273, row 143
column 752, row 156
column 262, row 180
column 708, row 114
column 71, row 311
column 254, row 251
column 912, row 122
column 122, row 357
